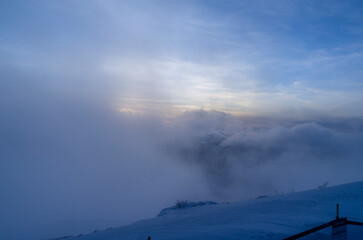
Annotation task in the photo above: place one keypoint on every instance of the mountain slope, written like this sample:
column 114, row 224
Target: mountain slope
column 272, row 217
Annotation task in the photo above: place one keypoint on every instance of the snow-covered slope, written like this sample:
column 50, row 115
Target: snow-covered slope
column 272, row 217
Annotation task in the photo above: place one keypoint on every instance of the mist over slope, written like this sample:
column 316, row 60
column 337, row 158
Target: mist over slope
column 78, row 166
column 271, row 217
column 70, row 164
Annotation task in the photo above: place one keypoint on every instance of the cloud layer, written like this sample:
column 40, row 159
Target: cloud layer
column 240, row 160
column 71, row 165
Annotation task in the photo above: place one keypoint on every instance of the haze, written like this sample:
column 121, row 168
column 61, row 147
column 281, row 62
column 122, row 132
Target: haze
column 113, row 110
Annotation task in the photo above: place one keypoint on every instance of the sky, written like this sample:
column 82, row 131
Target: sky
column 112, row 110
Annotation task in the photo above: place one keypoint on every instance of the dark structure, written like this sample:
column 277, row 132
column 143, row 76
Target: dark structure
column 339, row 228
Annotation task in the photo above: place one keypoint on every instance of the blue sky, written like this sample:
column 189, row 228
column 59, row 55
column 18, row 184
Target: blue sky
column 297, row 59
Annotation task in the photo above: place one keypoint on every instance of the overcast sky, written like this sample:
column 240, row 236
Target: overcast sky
column 112, row 110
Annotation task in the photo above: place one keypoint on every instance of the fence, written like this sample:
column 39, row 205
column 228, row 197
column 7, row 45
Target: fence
column 339, row 228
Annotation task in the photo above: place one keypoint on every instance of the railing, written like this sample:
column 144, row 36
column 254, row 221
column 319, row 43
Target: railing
column 339, row 228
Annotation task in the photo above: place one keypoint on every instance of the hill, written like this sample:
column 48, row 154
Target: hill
column 269, row 217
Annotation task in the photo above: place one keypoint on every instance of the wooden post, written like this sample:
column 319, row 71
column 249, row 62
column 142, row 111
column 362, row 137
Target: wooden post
column 337, row 211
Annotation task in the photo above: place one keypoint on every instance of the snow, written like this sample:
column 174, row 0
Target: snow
column 271, row 217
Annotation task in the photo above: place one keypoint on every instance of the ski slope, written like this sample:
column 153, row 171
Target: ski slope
column 272, row 217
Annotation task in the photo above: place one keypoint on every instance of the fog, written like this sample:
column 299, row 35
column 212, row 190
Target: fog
column 72, row 163
column 240, row 160
column 112, row 110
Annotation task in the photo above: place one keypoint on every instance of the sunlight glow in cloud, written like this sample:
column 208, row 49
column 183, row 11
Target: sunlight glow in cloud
column 175, row 86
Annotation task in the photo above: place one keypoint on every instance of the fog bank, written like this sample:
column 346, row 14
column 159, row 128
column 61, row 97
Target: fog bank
column 71, row 164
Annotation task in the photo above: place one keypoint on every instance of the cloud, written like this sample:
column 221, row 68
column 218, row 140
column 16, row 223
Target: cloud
column 71, row 163
column 239, row 160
